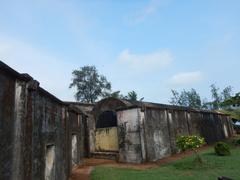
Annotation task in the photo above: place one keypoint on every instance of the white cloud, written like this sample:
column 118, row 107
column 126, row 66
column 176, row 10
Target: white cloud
column 186, row 78
column 53, row 74
column 148, row 10
column 145, row 62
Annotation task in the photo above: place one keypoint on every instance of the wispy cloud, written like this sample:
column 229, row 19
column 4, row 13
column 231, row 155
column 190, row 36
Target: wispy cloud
column 186, row 78
column 145, row 62
column 148, row 10
column 52, row 73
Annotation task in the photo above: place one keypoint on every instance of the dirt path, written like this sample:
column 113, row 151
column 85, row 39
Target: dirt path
column 83, row 172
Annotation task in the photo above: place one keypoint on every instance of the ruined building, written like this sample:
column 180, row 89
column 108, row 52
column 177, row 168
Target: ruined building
column 43, row 137
column 137, row 132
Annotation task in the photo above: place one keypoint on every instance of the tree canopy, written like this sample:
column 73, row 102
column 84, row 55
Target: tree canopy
column 116, row 94
column 215, row 96
column 219, row 97
column 90, row 85
column 132, row 95
column 192, row 98
column 232, row 101
column 186, row 98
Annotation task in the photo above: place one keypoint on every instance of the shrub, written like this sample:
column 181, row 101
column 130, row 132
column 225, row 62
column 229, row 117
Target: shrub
column 237, row 142
column 222, row 149
column 191, row 143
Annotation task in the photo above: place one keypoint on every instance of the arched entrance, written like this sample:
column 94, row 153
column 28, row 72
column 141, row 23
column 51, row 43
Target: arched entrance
column 106, row 135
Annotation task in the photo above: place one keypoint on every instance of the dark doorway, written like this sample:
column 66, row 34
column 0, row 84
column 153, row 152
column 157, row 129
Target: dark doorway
column 107, row 119
column 86, row 135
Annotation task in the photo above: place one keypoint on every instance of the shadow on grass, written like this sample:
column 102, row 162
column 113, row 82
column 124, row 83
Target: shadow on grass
column 192, row 164
column 209, row 154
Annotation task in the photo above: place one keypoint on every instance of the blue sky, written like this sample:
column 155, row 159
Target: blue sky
column 150, row 46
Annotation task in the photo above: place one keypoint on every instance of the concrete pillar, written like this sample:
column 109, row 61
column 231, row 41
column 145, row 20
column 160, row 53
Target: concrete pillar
column 18, row 139
column 142, row 134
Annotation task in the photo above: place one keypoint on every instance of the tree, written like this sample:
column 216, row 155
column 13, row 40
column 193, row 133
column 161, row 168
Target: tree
column 116, row 94
column 216, row 97
column 227, row 93
column 229, row 104
column 179, row 99
column 219, row 98
column 232, row 101
column 205, row 104
column 132, row 96
column 186, row 98
column 89, row 84
column 194, row 99
column 175, row 99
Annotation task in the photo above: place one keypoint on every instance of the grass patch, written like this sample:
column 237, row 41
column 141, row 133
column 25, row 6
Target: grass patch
column 184, row 169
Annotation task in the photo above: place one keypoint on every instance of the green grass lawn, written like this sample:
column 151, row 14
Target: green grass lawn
column 183, row 169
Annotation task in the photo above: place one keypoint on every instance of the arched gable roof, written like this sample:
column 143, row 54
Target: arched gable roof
column 110, row 103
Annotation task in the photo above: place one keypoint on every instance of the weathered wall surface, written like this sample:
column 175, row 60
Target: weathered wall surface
column 7, row 98
column 48, row 129
column 151, row 134
column 157, row 134
column 130, row 147
column 194, row 122
column 35, row 130
column 91, row 133
column 75, row 137
column 106, row 139
column 148, row 131
column 87, row 129
column 178, row 125
column 163, row 126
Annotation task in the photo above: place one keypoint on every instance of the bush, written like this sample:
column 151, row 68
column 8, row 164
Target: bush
column 191, row 143
column 222, row 149
column 236, row 142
